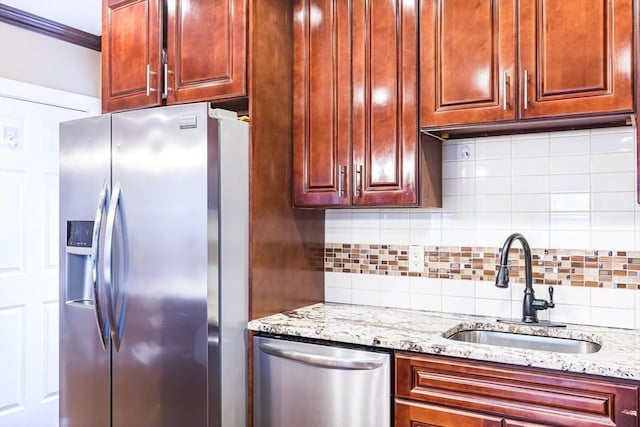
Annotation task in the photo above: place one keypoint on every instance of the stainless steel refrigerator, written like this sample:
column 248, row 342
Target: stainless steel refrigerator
column 154, row 269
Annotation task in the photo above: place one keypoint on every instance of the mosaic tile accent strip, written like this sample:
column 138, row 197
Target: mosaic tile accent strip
column 558, row 267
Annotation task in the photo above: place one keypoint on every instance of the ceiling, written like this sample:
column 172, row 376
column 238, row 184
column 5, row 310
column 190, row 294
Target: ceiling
column 84, row 15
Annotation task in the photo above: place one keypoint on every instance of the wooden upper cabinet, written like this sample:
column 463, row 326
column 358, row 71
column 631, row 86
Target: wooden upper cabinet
column 206, row 50
column 131, row 54
column 321, row 103
column 468, row 61
column 577, row 56
column 501, row 61
column 173, row 51
column 355, row 106
column 385, row 104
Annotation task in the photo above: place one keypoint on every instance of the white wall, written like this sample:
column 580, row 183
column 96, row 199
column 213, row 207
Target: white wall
column 562, row 190
column 33, row 58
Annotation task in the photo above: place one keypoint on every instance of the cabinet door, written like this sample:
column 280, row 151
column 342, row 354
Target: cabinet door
column 206, row 50
column 321, row 103
column 577, row 57
column 467, row 61
column 131, row 44
column 385, row 126
column 423, row 415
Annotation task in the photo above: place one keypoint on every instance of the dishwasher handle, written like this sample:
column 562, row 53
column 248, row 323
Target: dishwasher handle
column 320, row 360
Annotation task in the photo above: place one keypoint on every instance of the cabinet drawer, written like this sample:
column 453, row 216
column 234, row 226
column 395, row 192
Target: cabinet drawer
column 518, row 393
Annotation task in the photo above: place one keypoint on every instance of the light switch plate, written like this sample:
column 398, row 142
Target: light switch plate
column 416, row 259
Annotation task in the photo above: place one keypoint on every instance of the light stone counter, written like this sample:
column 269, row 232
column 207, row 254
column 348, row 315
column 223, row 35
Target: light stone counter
column 424, row 332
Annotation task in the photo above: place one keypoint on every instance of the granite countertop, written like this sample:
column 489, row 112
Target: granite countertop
column 424, row 332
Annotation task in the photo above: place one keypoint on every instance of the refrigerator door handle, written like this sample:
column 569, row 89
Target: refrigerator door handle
column 321, row 360
column 108, row 276
column 95, row 253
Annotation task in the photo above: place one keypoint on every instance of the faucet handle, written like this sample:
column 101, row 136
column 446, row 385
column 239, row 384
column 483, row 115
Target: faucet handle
column 551, row 304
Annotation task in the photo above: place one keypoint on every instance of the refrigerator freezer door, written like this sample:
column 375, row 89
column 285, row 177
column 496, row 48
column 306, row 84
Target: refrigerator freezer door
column 159, row 270
column 85, row 147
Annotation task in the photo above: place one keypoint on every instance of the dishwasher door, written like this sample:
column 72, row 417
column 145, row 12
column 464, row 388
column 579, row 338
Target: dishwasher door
column 299, row 384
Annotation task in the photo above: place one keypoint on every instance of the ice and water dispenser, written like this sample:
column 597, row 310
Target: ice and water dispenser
column 79, row 263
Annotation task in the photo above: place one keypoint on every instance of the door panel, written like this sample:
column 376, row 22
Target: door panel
column 467, row 61
column 412, row 414
column 322, row 99
column 131, row 41
column 160, row 267
column 385, row 128
column 578, row 56
column 206, row 44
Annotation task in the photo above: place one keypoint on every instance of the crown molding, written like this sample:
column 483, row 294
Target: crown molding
column 38, row 24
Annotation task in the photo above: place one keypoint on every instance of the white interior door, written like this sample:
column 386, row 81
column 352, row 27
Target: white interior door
column 29, row 118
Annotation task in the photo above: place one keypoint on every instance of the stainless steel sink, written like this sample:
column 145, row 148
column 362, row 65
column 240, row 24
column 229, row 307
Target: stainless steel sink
column 531, row 342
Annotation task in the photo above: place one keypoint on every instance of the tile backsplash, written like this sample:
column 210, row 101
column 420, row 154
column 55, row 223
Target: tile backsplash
column 570, row 194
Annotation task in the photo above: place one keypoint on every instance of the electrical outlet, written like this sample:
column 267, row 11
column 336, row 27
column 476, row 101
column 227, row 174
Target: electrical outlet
column 416, row 259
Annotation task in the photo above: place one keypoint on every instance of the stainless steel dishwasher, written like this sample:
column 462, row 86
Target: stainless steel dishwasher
column 307, row 384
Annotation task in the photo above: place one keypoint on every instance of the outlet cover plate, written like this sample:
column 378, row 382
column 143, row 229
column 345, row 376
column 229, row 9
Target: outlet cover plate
column 416, row 259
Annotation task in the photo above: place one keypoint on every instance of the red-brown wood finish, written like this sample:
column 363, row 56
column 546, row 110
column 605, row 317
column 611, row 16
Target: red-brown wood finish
column 412, row 414
column 578, row 55
column 131, row 41
column 517, row 393
column 468, row 61
column 385, row 104
column 206, row 46
column 322, row 103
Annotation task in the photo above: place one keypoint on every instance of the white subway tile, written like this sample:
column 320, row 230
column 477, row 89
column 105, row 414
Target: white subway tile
column 493, row 149
column 530, row 220
column 613, row 221
column 572, row 314
column 613, row 201
column 338, row 218
column 365, row 218
column 337, row 280
column 458, row 186
column 339, row 295
column 338, row 235
column 458, row 150
column 365, row 297
column 462, row 305
column 493, row 308
column 423, row 219
column 461, row 169
column 571, row 295
column 569, row 239
column 622, row 240
column 612, row 317
column 530, row 145
column 570, row 220
column 459, row 288
column 530, row 202
column 370, row 236
column 497, row 167
column 395, row 236
column 573, row 202
column 493, row 185
column 563, row 143
column 638, row 309
column 369, row 282
column 530, row 166
column 395, row 299
column 490, row 236
column 488, row 290
column 613, row 298
column 493, row 221
column 616, row 140
column 569, row 164
column 458, row 204
column 453, row 237
column 428, row 237
column 536, row 238
column 425, row 285
column 397, row 218
column 613, row 162
column 573, row 183
column 493, row 203
column 426, row 302
column 530, row 184
column 395, row 284
column 458, row 220
column 622, row 181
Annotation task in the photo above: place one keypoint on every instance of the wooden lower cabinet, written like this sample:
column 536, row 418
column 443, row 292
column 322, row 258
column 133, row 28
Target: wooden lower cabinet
column 449, row 392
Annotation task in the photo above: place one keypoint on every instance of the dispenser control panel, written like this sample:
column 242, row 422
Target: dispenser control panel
column 79, row 234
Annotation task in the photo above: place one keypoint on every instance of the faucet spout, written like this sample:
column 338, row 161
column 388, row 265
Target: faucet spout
column 530, row 305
